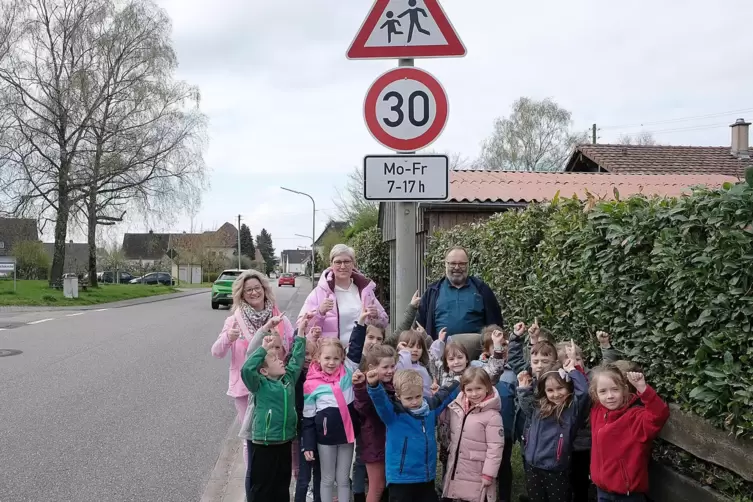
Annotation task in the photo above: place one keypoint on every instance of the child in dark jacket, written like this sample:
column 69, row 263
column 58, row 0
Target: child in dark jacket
column 306, row 469
column 275, row 423
column 623, row 427
column 411, row 433
column 562, row 405
column 330, row 421
column 381, row 358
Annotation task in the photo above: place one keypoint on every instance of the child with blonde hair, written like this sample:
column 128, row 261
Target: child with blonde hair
column 623, row 427
column 476, row 441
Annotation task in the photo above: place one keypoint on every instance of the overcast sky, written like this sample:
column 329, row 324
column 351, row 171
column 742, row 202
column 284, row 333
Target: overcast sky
column 285, row 105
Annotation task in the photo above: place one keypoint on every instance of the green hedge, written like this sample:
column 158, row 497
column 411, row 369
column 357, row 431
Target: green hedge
column 671, row 279
column 372, row 258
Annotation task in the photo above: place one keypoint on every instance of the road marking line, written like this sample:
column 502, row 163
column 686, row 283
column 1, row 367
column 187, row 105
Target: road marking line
column 3, row 329
column 100, row 310
column 77, row 313
column 41, row 320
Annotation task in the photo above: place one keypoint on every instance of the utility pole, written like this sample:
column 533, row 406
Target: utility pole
column 406, row 275
column 313, row 228
column 593, row 134
column 239, row 242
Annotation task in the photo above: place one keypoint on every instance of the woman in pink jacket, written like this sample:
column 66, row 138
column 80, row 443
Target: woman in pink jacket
column 254, row 311
column 477, row 439
column 340, row 297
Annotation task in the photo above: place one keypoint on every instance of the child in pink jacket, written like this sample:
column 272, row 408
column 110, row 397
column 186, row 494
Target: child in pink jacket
column 477, row 440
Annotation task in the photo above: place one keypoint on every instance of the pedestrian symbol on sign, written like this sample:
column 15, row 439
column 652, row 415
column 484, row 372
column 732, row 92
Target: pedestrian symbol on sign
column 391, row 25
column 413, row 12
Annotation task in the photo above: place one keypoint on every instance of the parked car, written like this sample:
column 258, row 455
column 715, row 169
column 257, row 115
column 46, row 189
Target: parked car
column 154, row 278
column 286, row 280
column 108, row 277
column 222, row 289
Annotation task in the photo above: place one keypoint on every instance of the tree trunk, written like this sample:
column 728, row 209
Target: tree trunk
column 92, row 236
column 61, row 225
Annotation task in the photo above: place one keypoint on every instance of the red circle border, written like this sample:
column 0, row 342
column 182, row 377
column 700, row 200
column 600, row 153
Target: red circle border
column 431, row 134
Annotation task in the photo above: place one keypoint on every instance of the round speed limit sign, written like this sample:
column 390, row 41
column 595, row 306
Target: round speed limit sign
column 406, row 109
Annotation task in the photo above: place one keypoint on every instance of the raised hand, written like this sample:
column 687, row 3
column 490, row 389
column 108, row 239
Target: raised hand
column 524, row 379
column 419, row 328
column 498, row 339
column 519, row 329
column 234, row 332
column 402, row 346
column 638, row 381
column 372, row 310
column 443, row 334
column 604, row 339
column 534, row 332
column 358, row 377
column 372, row 376
column 273, row 322
column 434, row 386
column 268, row 342
column 316, row 333
column 327, row 305
column 364, row 314
column 416, row 300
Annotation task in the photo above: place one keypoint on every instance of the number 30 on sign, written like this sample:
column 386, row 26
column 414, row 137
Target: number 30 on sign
column 406, row 109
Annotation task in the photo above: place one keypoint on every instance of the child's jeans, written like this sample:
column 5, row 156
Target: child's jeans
column 295, row 453
column 359, row 471
column 615, row 497
column 305, row 471
column 241, row 403
column 250, row 448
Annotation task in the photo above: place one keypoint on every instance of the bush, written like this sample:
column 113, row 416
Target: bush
column 671, row 279
column 373, row 260
column 32, row 262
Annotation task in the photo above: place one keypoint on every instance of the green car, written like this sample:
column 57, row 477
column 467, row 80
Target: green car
column 222, row 289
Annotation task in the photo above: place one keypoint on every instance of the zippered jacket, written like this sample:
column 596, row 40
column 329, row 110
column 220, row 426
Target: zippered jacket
column 621, row 442
column 329, row 412
column 411, row 439
column 548, row 442
column 275, row 420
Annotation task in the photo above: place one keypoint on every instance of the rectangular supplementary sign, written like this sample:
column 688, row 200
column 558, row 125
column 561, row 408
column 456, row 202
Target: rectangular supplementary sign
column 7, row 267
column 406, row 177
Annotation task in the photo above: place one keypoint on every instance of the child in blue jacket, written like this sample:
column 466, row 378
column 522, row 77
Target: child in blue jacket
column 411, row 433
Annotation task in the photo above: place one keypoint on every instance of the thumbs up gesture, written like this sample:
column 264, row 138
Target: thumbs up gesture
column 327, row 305
column 372, row 310
column 234, row 332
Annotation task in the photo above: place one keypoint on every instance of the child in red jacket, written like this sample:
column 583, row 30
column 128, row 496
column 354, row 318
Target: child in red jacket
column 623, row 427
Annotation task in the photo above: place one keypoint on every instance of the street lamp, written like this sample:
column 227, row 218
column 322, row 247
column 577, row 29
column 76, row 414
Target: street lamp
column 313, row 228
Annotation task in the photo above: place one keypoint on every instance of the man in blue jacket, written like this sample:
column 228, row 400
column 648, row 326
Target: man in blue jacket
column 458, row 302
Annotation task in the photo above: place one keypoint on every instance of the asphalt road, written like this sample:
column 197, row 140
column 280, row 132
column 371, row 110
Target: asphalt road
column 123, row 404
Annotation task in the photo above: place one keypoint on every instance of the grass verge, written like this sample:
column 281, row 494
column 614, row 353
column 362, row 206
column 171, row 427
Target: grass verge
column 185, row 285
column 38, row 293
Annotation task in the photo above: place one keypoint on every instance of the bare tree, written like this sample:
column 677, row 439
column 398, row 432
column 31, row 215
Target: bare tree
column 49, row 102
column 537, row 136
column 146, row 145
column 456, row 160
column 350, row 202
column 643, row 138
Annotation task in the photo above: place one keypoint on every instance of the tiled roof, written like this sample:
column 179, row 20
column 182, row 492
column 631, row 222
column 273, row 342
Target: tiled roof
column 153, row 246
column 14, row 230
column 638, row 159
column 227, row 235
column 524, row 187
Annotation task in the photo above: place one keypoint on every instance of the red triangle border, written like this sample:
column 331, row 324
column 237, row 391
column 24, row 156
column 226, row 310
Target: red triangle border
column 454, row 47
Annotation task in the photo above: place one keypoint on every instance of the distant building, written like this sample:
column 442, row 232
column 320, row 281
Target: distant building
column 294, row 261
column 13, row 230
column 76, row 256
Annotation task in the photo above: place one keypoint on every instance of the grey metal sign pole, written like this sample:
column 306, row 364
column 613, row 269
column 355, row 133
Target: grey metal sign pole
column 406, row 274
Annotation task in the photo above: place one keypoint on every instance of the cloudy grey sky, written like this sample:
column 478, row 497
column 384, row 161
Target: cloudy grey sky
column 285, row 105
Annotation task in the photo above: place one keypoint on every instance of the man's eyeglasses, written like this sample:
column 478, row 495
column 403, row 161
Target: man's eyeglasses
column 457, row 264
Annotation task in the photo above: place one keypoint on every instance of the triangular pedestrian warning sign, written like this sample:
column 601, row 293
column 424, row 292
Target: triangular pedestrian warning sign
column 406, row 29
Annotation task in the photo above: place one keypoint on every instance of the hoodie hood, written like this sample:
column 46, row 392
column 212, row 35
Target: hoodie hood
column 363, row 283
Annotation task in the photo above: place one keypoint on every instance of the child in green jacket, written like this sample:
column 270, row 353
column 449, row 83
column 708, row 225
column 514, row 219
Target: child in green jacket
column 274, row 424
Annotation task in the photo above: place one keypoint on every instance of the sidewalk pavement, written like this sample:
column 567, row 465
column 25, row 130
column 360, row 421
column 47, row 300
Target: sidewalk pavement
column 227, row 482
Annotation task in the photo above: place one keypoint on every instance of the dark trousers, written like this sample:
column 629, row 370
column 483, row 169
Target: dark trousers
column 504, row 476
column 547, row 486
column 580, row 475
column 305, row 471
column 413, row 492
column 273, row 468
column 614, row 497
column 250, row 446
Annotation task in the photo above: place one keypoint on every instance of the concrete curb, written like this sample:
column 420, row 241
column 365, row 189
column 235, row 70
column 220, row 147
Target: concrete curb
column 110, row 305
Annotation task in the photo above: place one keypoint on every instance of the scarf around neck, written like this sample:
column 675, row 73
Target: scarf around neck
column 422, row 411
column 316, row 376
column 255, row 319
